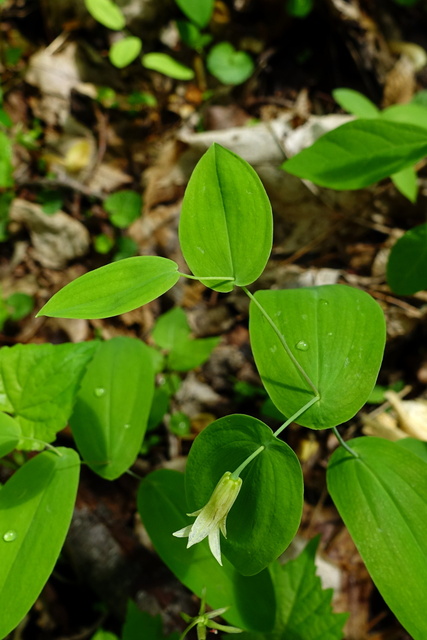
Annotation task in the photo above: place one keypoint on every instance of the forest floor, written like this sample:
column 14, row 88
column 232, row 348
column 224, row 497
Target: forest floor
column 83, row 129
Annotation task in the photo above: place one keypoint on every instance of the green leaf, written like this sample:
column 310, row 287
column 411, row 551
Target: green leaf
column 123, row 207
column 228, row 65
column 355, row 103
column 10, row 434
column 106, row 13
column 125, row 51
column 36, row 506
column 418, row 447
column 304, row 611
column 139, row 624
column 40, row 382
column 172, row 333
column 114, row 289
column 299, row 8
column 415, row 114
column 226, row 226
column 162, row 506
column 163, row 63
column 359, row 153
column 406, row 181
column 407, row 263
column 112, row 407
column 191, row 36
column 101, row 634
column 6, row 179
column 381, row 497
column 20, row 305
column 267, row 512
column 199, row 11
column 336, row 333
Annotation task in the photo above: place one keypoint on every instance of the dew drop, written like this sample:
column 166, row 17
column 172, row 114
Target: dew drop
column 126, row 426
column 10, row 536
column 323, row 302
column 302, row 345
column 99, row 392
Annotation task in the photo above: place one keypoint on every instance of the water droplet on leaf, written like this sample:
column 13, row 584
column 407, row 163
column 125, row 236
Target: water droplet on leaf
column 99, row 392
column 10, row 536
column 302, row 345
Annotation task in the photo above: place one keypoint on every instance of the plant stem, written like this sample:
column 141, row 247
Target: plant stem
column 284, row 344
column 344, row 444
column 220, row 278
column 245, row 463
column 296, row 415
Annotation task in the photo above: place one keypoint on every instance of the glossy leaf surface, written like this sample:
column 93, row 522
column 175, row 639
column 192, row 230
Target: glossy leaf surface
column 162, row 506
column 336, row 333
column 41, row 382
column 381, row 498
column 267, row 512
column 36, row 506
column 226, row 224
column 114, row 289
column 304, row 608
column 407, row 263
column 112, row 407
column 359, row 153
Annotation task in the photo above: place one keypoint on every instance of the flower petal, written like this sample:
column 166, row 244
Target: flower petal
column 183, row 533
column 214, row 545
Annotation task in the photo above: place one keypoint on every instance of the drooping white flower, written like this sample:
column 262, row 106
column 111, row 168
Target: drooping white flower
column 212, row 518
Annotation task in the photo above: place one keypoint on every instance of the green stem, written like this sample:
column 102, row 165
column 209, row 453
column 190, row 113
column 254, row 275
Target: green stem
column 344, row 444
column 284, row 344
column 46, row 444
column 220, row 278
column 190, row 626
column 296, row 415
column 245, row 463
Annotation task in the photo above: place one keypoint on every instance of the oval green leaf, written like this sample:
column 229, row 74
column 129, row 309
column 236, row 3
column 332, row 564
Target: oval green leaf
column 123, row 207
column 199, row 11
column 106, row 13
column 36, row 506
column 382, row 499
column 10, row 434
column 406, row 181
column 226, row 226
column 162, row 506
column 355, row 103
column 336, row 333
column 407, row 263
column 228, row 65
column 116, row 288
column 359, row 153
column 112, row 407
column 124, row 51
column 267, row 513
column 163, row 63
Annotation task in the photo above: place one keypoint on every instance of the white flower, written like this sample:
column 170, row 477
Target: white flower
column 211, row 519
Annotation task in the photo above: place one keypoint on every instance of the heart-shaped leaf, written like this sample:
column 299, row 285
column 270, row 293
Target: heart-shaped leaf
column 359, row 153
column 336, row 333
column 407, row 264
column 36, row 506
column 226, row 226
column 116, row 288
column 199, row 11
column 267, row 512
column 162, row 506
column 228, row 65
column 112, row 407
column 382, row 499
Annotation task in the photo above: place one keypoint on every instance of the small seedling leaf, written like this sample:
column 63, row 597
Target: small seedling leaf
column 379, row 497
column 106, row 13
column 125, row 51
column 228, row 65
column 267, row 512
column 226, row 224
column 114, row 289
column 123, row 207
column 36, row 506
column 163, row 63
column 199, row 11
